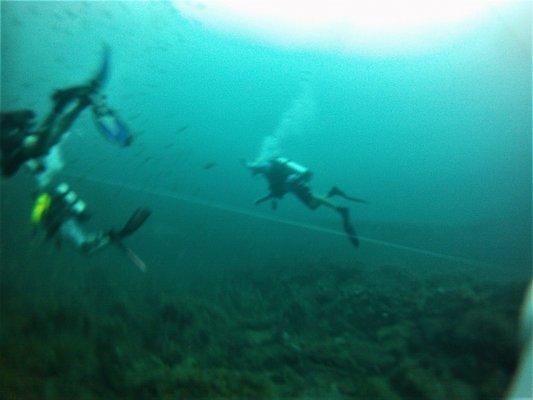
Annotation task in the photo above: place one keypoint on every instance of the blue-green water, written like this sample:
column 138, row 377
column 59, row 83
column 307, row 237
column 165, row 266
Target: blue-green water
column 242, row 301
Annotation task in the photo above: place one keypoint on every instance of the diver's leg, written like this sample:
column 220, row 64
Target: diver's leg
column 95, row 242
column 53, row 134
column 62, row 98
column 84, row 242
column 322, row 201
column 305, row 195
column 313, row 201
column 348, row 226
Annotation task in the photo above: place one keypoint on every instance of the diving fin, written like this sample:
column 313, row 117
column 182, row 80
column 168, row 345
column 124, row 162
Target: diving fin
column 335, row 191
column 102, row 74
column 134, row 222
column 134, row 258
column 347, row 226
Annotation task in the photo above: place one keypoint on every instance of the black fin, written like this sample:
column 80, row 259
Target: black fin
column 347, row 225
column 135, row 222
column 335, row 191
column 102, row 74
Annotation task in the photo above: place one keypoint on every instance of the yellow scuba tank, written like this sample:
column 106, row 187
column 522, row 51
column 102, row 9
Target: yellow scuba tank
column 40, row 207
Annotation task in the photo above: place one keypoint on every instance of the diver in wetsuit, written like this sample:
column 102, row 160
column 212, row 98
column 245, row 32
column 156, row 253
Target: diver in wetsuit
column 61, row 212
column 286, row 176
column 21, row 142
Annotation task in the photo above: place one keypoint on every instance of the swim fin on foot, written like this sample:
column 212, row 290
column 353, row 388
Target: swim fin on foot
column 102, row 74
column 347, row 226
column 335, row 191
column 137, row 219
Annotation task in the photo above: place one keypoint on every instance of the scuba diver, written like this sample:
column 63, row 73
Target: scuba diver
column 22, row 141
column 61, row 213
column 286, row 176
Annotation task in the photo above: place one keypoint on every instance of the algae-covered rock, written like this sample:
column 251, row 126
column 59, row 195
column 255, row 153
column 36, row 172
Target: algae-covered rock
column 323, row 332
column 394, row 339
column 373, row 387
column 413, row 381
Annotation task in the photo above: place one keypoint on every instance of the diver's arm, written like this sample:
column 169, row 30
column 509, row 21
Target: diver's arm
column 52, row 134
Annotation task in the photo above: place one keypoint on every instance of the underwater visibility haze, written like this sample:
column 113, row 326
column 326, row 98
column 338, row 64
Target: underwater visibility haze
column 413, row 291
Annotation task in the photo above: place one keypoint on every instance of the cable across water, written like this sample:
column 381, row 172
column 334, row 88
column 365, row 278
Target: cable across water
column 284, row 221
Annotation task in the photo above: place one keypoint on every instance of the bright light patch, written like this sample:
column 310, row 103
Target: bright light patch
column 370, row 25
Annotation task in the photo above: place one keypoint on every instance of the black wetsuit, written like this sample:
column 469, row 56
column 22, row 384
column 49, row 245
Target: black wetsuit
column 16, row 128
column 277, row 176
column 279, row 185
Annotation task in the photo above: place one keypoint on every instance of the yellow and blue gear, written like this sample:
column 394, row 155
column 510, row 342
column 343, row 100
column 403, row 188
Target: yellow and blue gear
column 40, row 207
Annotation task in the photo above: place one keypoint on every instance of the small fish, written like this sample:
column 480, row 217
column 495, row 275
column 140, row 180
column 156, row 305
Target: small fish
column 182, row 129
column 209, row 165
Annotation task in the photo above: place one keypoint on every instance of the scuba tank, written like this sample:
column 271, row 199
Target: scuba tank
column 48, row 205
column 52, row 209
column 294, row 168
column 75, row 206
